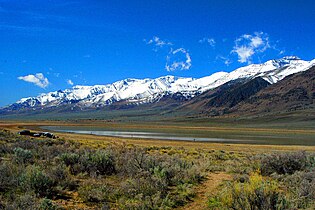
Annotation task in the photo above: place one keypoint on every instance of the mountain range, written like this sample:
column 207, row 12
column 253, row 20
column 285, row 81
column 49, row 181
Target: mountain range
column 217, row 94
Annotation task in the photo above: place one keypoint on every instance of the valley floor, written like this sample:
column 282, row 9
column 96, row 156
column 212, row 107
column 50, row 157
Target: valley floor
column 261, row 138
column 154, row 174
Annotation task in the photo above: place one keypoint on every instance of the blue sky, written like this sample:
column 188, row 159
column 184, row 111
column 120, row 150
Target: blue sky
column 52, row 45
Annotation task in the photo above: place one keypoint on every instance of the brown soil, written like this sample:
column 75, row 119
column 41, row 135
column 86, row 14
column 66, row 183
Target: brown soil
column 205, row 190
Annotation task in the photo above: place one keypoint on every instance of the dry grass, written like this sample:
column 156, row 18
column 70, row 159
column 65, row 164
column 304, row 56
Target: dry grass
column 207, row 189
column 102, row 141
column 233, row 153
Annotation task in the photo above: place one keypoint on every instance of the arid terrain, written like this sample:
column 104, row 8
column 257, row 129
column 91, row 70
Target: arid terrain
column 130, row 173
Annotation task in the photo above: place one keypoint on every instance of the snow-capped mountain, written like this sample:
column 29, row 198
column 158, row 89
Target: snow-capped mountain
column 138, row 91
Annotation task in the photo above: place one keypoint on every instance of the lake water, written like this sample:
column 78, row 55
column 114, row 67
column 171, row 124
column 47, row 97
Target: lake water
column 192, row 136
column 143, row 135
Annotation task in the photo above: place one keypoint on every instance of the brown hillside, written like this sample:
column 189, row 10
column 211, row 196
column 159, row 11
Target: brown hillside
column 219, row 101
column 295, row 92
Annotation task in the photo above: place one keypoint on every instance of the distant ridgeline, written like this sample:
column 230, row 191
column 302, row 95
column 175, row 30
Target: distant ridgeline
column 276, row 85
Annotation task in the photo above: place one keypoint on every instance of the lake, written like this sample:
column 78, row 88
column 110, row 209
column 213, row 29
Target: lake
column 140, row 135
column 192, row 136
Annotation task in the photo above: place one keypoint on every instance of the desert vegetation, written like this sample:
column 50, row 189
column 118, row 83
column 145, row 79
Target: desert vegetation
column 43, row 173
column 282, row 181
column 39, row 173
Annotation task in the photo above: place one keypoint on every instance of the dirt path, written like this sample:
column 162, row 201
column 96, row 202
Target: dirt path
column 205, row 190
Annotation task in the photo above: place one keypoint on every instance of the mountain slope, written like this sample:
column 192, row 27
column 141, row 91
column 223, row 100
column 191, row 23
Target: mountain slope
column 295, row 92
column 131, row 92
column 220, row 100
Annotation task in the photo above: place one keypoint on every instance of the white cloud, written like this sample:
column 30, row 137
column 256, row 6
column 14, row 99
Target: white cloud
column 210, row 41
column 51, row 72
column 256, row 41
column 157, row 42
column 38, row 79
column 178, row 59
column 250, row 44
column 281, row 52
column 225, row 60
column 69, row 81
column 244, row 53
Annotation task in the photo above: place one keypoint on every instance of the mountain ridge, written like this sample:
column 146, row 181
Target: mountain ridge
column 295, row 92
column 139, row 91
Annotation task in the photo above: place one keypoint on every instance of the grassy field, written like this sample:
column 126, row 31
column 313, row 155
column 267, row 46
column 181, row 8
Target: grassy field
column 302, row 119
column 283, row 135
column 88, row 171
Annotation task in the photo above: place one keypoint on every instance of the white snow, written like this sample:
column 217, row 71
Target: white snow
column 147, row 90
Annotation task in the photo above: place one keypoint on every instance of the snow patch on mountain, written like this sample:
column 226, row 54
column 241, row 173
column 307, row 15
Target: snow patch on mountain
column 140, row 91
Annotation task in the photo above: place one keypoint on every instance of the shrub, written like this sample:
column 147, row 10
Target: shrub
column 130, row 161
column 8, row 177
column 47, row 204
column 35, row 179
column 4, row 149
column 27, row 202
column 184, row 194
column 91, row 192
column 146, row 202
column 255, row 194
column 173, row 170
column 302, row 188
column 70, row 158
column 25, row 144
column 145, row 184
column 23, row 155
column 100, row 163
column 95, row 163
column 215, row 203
column 311, row 161
column 60, row 174
column 286, row 163
column 149, row 179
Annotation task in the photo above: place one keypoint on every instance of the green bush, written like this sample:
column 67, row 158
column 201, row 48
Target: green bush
column 215, row 203
column 140, row 202
column 4, row 149
column 286, row 163
column 99, row 162
column 95, row 163
column 136, row 178
column 9, row 174
column 311, row 161
column 91, row 192
column 27, row 144
column 144, row 183
column 47, row 204
column 70, row 158
column 25, row 202
column 23, row 156
column 60, row 174
column 256, row 194
column 301, row 186
column 36, row 180
column 172, row 169
column 184, row 193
